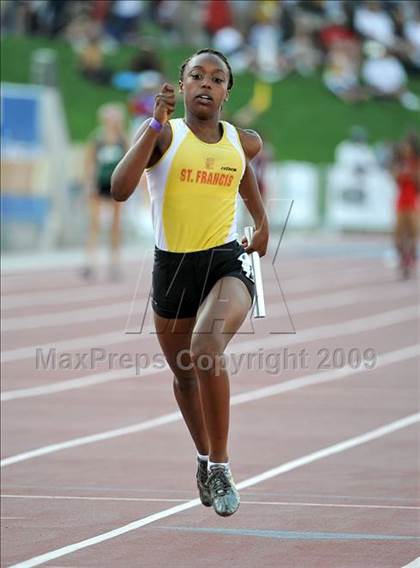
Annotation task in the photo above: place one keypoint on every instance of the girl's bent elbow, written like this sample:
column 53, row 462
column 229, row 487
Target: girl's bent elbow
column 117, row 194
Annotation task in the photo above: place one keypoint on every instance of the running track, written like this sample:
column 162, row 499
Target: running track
column 98, row 469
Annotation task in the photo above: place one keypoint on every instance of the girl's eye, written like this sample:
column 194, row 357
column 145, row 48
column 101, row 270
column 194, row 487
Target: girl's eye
column 195, row 75
column 218, row 80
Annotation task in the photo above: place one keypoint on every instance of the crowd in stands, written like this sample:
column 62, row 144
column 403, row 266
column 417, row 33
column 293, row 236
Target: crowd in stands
column 363, row 48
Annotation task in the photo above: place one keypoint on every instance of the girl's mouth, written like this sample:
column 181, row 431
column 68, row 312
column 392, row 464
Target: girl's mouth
column 204, row 99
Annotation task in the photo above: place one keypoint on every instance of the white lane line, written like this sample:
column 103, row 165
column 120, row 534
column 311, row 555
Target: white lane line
column 330, row 505
column 121, row 309
column 241, row 398
column 312, row 334
column 170, row 500
column 344, row 328
column 330, row 450
column 414, row 564
column 89, row 292
column 107, row 435
column 256, row 479
column 81, row 498
column 79, row 383
column 68, row 317
column 65, row 296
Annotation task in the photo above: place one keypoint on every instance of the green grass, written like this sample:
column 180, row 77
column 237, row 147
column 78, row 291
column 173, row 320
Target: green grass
column 305, row 122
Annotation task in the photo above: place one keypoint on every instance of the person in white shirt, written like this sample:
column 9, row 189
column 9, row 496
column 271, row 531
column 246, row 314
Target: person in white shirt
column 372, row 22
column 385, row 75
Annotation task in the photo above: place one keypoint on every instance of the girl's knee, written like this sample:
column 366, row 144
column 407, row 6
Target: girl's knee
column 185, row 382
column 207, row 354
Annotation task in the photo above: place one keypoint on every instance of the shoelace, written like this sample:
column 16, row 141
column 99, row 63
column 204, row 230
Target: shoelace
column 219, row 481
column 202, row 474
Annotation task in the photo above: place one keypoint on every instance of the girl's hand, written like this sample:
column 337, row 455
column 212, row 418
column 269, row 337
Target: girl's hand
column 164, row 104
column 259, row 242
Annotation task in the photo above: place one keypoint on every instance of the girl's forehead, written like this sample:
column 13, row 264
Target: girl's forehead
column 208, row 60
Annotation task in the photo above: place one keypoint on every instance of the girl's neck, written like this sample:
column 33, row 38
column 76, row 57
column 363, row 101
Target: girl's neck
column 207, row 130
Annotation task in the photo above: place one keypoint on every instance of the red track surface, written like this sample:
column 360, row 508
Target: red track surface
column 354, row 507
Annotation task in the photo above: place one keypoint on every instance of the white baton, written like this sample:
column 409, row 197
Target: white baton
column 256, row 268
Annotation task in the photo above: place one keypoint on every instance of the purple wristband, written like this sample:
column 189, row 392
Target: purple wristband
column 156, row 125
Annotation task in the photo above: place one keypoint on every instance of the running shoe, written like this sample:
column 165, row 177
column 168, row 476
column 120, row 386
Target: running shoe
column 203, row 488
column 223, row 492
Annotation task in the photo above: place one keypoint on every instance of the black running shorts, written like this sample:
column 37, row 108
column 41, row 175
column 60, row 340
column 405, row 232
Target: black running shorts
column 181, row 281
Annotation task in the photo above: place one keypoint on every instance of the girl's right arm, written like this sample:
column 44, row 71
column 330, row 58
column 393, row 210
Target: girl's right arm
column 148, row 142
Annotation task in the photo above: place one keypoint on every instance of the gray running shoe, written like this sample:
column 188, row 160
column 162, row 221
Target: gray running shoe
column 203, row 488
column 223, row 491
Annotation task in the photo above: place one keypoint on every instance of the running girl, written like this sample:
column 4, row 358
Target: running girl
column 203, row 285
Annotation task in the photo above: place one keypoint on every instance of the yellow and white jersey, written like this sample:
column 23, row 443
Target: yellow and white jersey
column 194, row 190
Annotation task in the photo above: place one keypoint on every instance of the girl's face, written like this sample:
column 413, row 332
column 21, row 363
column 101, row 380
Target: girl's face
column 204, row 85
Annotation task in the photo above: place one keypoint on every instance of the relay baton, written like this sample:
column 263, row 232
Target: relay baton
column 256, row 268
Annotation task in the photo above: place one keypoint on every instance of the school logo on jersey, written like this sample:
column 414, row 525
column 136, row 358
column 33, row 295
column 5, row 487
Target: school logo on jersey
column 210, row 163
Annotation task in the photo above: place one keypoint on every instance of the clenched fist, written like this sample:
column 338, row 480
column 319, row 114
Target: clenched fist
column 164, row 103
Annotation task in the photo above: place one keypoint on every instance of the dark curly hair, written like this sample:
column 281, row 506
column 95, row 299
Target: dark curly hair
column 212, row 52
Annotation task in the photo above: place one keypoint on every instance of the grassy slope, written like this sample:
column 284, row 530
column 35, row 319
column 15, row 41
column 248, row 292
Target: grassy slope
column 304, row 123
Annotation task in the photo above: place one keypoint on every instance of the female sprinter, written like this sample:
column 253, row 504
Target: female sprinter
column 406, row 170
column 105, row 149
column 202, row 281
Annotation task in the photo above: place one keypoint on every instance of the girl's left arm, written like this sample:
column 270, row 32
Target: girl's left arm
column 251, row 195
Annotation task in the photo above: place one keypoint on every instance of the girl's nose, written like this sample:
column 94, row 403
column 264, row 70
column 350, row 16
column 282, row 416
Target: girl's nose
column 206, row 82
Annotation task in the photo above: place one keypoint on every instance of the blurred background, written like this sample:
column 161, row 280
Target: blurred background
column 332, row 86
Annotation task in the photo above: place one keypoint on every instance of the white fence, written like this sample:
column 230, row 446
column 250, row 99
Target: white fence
column 335, row 197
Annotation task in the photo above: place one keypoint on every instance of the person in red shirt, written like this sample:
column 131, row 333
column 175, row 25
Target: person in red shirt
column 406, row 171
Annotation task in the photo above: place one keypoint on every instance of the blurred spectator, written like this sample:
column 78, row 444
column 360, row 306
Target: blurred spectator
column 230, row 42
column 341, row 73
column 314, row 12
column 124, row 19
column 181, row 21
column 411, row 33
column 21, row 17
column 260, row 164
column 334, row 32
column 265, row 38
column 142, row 102
column 100, row 11
column 217, row 15
column 144, row 63
column 373, row 22
column 385, row 75
column 146, row 59
column 105, row 149
column 91, row 59
column 46, row 17
column 406, row 171
column 243, row 12
column 355, row 153
column 300, row 50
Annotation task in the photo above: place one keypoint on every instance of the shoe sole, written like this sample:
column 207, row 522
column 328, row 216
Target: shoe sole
column 226, row 513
